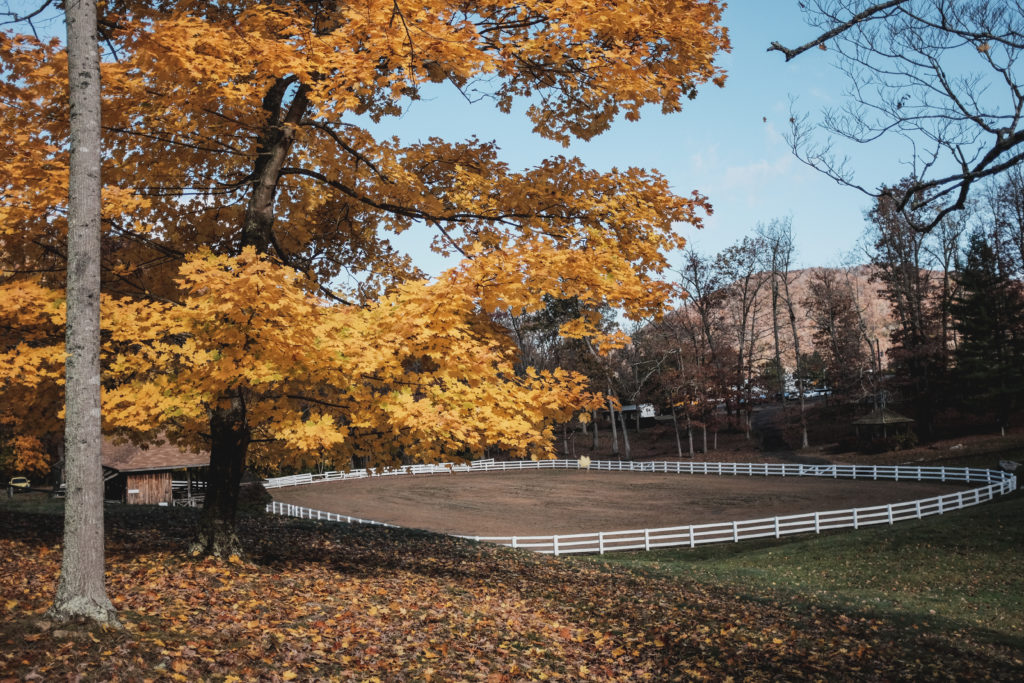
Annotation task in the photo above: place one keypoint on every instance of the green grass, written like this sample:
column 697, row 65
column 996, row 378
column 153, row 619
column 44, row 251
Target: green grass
column 32, row 502
column 960, row 572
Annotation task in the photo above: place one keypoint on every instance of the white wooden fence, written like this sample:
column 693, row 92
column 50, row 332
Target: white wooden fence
column 993, row 483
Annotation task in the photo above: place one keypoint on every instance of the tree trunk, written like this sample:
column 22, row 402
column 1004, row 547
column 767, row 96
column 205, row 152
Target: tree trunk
column 689, row 432
column 596, row 436
column 615, row 433
column 775, row 333
column 796, row 349
column 80, row 589
column 625, row 436
column 675, row 427
column 229, row 441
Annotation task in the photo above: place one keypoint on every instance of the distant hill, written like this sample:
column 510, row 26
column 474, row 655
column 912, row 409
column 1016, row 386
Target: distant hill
column 875, row 312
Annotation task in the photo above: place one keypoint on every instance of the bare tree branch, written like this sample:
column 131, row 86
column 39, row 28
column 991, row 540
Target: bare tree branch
column 941, row 76
column 869, row 13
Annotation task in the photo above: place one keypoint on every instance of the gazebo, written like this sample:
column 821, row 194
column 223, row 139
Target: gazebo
column 880, row 423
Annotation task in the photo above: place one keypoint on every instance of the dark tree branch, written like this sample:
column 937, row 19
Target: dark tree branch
column 865, row 15
column 908, row 71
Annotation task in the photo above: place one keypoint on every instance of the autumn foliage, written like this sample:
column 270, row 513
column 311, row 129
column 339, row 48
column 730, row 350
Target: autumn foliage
column 255, row 305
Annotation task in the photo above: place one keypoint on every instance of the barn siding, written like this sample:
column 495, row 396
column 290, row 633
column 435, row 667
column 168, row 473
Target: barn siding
column 152, row 488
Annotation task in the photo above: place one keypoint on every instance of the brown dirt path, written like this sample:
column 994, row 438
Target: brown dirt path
column 562, row 502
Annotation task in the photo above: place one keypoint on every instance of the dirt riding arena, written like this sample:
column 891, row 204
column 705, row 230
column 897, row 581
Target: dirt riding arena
column 564, row 502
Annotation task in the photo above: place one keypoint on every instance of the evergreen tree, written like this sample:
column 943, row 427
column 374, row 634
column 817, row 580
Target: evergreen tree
column 990, row 320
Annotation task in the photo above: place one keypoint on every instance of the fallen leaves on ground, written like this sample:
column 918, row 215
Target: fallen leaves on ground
column 329, row 602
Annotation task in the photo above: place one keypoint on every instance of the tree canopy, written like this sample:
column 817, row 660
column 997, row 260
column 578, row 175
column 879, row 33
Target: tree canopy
column 253, row 295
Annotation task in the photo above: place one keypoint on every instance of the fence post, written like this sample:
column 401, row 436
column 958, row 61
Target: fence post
column 735, row 532
column 855, row 518
column 817, row 523
column 889, row 510
column 647, row 539
column 693, row 538
column 917, row 507
column 600, row 542
column 514, row 542
column 777, row 527
column 554, row 541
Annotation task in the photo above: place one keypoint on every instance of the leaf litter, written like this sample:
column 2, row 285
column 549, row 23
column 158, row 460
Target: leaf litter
column 328, row 602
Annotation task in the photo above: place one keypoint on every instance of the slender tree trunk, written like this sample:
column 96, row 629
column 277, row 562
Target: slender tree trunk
column 775, row 333
column 625, row 436
column 229, row 442
column 675, row 428
column 80, row 589
column 596, row 439
column 615, row 433
column 796, row 350
column 689, row 432
column 704, row 431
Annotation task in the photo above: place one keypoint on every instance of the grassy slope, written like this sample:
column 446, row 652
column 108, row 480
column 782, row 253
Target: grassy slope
column 962, row 573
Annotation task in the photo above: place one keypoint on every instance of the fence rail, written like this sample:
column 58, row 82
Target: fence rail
column 994, row 483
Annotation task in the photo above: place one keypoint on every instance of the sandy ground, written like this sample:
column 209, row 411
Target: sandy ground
column 561, row 502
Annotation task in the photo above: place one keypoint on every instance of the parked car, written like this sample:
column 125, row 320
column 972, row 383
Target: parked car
column 19, row 483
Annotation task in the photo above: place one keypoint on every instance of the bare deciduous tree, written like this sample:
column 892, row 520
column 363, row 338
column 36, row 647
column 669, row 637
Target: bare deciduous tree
column 942, row 74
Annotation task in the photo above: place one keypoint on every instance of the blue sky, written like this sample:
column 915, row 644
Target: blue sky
column 719, row 144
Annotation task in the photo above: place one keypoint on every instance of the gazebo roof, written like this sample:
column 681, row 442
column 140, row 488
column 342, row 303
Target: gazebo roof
column 882, row 416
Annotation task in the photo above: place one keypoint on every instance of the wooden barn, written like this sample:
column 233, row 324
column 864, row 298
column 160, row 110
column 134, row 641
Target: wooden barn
column 146, row 476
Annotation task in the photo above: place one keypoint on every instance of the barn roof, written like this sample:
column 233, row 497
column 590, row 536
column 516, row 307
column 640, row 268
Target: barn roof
column 127, row 457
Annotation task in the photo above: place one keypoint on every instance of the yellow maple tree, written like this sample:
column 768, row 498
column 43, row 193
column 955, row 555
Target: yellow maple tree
column 242, row 182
